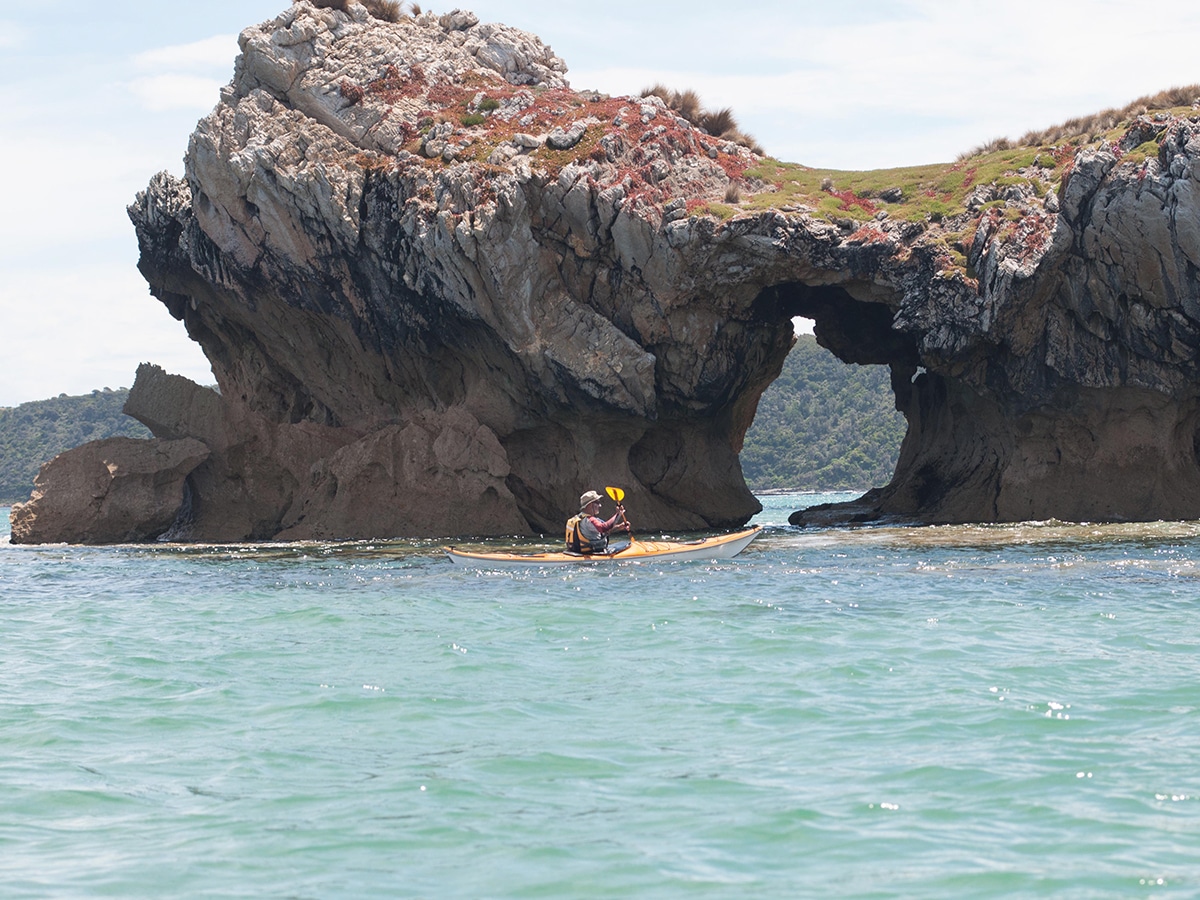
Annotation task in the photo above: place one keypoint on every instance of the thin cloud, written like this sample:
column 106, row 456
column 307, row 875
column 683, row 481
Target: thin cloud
column 12, row 35
column 216, row 52
column 87, row 327
column 184, row 76
column 97, row 205
column 161, row 93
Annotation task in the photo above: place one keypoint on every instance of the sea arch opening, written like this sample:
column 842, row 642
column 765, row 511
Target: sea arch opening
column 832, row 420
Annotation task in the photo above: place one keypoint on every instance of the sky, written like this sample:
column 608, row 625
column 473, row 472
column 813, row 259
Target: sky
column 98, row 97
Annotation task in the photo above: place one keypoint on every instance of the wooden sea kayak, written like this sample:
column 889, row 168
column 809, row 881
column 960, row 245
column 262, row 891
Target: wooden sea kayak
column 725, row 546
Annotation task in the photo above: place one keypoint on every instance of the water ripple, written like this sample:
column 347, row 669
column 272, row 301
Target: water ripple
column 878, row 712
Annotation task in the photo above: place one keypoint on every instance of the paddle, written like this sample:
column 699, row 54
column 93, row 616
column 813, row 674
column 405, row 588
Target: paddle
column 617, row 496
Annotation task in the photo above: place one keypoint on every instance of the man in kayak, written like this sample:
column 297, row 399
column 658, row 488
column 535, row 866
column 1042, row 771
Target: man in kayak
column 587, row 532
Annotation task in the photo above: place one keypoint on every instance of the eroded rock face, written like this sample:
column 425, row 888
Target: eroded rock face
column 119, row 490
column 1066, row 384
column 345, row 271
column 443, row 293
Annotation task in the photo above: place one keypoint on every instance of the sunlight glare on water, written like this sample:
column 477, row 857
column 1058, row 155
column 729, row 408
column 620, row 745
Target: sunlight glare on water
column 975, row 711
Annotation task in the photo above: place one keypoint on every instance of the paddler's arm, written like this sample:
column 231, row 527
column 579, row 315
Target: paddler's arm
column 611, row 523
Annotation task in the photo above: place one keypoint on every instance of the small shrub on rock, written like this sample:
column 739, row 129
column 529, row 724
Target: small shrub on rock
column 386, row 10
column 371, row 162
column 351, row 91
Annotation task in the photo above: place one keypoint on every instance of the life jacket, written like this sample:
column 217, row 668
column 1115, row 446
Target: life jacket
column 577, row 539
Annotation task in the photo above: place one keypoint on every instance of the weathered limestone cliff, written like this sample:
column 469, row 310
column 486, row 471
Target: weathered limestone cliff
column 443, row 293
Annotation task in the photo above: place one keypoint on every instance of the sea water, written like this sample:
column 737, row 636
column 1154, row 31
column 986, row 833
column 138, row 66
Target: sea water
column 1005, row 711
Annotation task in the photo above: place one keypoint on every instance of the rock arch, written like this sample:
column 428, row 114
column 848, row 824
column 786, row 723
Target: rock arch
column 426, row 329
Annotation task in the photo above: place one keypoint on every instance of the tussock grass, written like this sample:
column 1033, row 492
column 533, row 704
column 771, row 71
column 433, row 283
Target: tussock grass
column 719, row 123
column 686, row 103
column 1090, row 128
column 386, row 10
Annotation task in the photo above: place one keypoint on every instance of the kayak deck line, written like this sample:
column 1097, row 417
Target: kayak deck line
column 725, row 546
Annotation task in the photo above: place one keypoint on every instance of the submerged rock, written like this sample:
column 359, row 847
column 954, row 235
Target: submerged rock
column 443, row 293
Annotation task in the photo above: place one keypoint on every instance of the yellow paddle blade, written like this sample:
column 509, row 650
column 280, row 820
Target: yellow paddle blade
column 616, row 493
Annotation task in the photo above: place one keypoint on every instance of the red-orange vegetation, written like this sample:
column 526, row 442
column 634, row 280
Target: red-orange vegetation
column 391, row 87
column 868, row 234
column 849, row 200
column 448, row 93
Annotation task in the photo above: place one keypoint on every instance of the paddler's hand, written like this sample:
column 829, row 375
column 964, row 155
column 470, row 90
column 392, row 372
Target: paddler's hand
column 625, row 526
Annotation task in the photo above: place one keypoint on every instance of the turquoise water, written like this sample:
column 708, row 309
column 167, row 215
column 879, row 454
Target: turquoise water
column 886, row 712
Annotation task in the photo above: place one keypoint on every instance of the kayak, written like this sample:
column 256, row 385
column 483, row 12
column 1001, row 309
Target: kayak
column 725, row 546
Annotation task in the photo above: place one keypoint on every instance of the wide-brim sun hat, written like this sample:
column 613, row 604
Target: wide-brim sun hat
column 589, row 497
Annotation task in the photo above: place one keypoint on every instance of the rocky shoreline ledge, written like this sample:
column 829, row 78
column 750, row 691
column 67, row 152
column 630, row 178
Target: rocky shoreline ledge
column 441, row 292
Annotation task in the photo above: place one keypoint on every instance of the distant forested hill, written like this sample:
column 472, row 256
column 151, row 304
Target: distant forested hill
column 823, row 426
column 32, row 433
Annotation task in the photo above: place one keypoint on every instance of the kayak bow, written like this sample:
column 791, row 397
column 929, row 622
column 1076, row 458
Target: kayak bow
column 725, row 546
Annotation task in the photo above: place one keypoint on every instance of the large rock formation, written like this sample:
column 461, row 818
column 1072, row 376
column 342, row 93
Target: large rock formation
column 442, row 293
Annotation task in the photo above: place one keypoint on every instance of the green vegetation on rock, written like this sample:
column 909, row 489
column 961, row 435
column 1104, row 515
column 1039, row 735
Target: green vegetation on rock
column 912, row 194
column 34, row 433
column 1040, row 159
column 823, row 425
